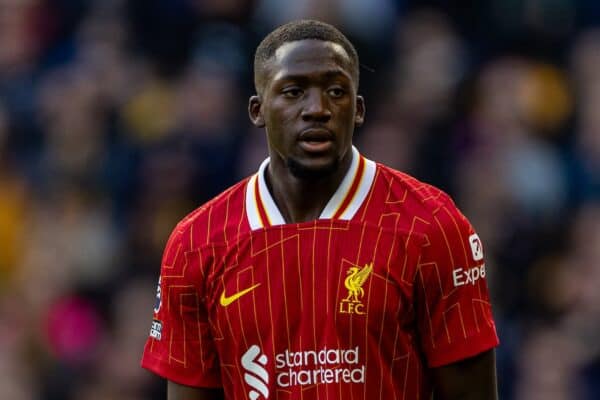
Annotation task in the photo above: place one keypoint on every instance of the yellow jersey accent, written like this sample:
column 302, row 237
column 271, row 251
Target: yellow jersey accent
column 354, row 282
column 356, row 278
column 227, row 300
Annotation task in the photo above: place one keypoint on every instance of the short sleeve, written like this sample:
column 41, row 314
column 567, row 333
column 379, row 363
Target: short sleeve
column 180, row 347
column 451, row 293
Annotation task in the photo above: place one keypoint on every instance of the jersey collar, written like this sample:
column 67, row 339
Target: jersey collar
column 262, row 211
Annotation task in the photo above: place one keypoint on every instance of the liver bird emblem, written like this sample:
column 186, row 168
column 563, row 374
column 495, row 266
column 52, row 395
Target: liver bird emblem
column 355, row 280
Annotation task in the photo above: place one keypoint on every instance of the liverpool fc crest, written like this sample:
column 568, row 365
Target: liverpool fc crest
column 354, row 282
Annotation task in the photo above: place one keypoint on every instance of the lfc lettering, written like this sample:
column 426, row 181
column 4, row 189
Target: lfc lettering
column 351, row 307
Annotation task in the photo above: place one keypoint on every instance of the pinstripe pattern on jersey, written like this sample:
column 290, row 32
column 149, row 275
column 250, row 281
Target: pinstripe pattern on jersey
column 412, row 234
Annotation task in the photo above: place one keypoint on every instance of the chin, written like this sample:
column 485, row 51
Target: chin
column 312, row 170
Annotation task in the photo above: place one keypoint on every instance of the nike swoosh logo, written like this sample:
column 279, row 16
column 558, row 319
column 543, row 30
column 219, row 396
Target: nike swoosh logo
column 227, row 300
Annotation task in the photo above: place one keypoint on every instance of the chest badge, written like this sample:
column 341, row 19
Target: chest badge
column 354, row 282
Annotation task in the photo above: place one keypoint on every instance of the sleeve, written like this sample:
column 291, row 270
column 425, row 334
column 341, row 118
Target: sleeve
column 180, row 347
column 451, row 293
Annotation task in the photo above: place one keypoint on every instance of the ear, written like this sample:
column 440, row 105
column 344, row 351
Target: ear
column 255, row 111
column 359, row 117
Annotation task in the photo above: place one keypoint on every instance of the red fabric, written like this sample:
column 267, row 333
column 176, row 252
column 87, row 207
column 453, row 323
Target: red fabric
column 308, row 330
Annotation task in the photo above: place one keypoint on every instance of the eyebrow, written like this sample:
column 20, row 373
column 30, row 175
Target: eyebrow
column 333, row 73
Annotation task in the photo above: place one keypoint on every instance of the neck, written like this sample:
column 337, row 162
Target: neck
column 303, row 199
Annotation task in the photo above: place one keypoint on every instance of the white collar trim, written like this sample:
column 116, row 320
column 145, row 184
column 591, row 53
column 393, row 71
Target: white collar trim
column 345, row 202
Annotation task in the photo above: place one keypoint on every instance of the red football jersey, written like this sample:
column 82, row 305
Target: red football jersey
column 388, row 282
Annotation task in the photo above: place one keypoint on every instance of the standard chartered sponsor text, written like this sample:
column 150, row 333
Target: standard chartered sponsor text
column 316, row 367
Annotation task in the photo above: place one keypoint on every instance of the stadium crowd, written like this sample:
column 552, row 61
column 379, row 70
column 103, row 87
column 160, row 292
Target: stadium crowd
column 118, row 117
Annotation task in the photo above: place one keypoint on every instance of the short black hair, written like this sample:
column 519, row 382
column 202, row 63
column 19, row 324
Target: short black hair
column 301, row 30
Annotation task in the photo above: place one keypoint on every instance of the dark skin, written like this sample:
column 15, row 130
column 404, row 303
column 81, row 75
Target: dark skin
column 309, row 108
column 307, row 102
column 180, row 392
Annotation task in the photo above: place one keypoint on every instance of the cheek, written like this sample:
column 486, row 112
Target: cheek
column 287, row 110
column 346, row 106
column 281, row 117
column 277, row 127
column 346, row 115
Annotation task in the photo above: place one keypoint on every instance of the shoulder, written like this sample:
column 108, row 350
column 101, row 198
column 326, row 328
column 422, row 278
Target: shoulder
column 211, row 222
column 411, row 194
column 425, row 211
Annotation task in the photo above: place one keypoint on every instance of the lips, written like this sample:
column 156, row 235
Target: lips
column 316, row 135
column 316, row 140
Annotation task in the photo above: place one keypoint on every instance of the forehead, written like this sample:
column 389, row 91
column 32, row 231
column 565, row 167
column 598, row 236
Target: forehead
column 307, row 57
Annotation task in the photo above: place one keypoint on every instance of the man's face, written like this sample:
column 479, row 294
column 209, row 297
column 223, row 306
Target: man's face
column 308, row 107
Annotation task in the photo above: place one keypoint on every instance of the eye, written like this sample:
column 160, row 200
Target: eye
column 336, row 92
column 292, row 92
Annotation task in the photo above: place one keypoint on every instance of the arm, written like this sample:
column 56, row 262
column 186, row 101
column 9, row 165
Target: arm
column 180, row 345
column 176, row 391
column 470, row 379
column 452, row 301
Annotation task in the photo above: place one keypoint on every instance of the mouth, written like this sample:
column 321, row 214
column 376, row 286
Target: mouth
column 316, row 140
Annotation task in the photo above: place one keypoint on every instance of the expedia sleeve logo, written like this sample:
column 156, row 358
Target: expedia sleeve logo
column 468, row 276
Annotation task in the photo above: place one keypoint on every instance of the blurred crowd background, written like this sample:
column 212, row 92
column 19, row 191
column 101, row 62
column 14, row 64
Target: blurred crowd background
column 118, row 117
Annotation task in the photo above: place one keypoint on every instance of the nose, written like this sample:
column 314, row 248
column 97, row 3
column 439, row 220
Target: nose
column 316, row 107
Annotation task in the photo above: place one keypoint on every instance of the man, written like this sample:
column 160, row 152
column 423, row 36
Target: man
column 324, row 275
